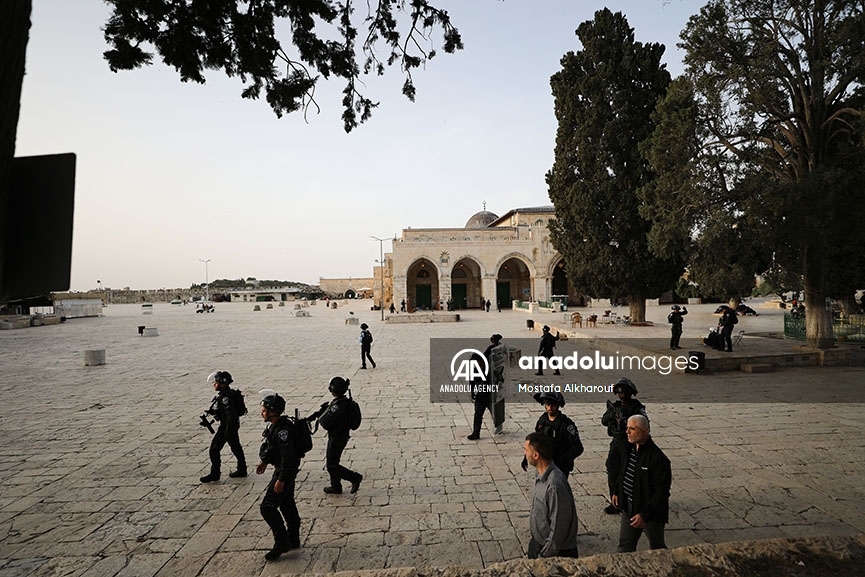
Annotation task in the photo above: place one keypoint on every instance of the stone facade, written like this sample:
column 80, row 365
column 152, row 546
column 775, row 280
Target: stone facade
column 351, row 287
column 500, row 259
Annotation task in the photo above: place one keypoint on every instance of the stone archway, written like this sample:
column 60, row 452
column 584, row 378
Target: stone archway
column 561, row 287
column 513, row 282
column 466, row 290
column 422, row 285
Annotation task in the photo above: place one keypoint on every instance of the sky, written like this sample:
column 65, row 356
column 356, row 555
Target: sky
column 171, row 174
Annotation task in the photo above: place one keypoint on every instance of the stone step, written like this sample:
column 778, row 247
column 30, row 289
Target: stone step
column 756, row 368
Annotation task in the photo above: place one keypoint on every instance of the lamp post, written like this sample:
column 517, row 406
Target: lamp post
column 381, row 273
column 206, row 280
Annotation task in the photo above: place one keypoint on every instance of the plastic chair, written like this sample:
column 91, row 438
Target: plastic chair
column 738, row 340
column 576, row 319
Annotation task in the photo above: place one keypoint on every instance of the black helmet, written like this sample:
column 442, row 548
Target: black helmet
column 223, row 378
column 363, row 326
column 550, row 397
column 273, row 403
column 496, row 337
column 546, row 329
column 625, row 385
column 675, row 307
column 338, row 385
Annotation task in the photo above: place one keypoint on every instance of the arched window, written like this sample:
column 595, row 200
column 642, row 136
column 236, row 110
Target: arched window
column 423, row 273
column 459, row 272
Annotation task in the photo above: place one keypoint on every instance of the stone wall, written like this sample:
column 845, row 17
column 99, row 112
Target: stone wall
column 813, row 557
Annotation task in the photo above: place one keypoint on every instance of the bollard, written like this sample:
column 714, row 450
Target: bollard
column 94, row 358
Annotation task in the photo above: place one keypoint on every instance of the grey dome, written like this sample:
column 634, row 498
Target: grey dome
column 482, row 219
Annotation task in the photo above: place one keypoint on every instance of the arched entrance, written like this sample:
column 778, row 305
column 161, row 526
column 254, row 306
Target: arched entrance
column 513, row 282
column 466, row 284
column 422, row 285
column 562, row 290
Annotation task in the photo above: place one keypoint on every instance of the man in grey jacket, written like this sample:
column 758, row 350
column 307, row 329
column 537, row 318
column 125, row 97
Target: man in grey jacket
column 553, row 516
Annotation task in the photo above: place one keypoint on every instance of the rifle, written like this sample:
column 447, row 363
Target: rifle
column 206, row 424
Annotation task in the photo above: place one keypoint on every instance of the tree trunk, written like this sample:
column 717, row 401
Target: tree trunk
column 818, row 318
column 637, row 308
column 14, row 34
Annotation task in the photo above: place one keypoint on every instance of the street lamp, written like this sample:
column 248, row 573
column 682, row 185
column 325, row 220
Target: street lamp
column 381, row 273
column 206, row 280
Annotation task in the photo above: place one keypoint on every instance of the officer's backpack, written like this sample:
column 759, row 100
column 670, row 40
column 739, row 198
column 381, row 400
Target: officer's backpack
column 238, row 403
column 366, row 337
column 302, row 436
column 354, row 416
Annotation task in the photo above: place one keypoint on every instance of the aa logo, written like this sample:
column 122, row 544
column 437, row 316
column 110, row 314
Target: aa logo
column 468, row 365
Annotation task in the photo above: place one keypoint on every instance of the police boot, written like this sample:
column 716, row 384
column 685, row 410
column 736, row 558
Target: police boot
column 210, row 477
column 240, row 472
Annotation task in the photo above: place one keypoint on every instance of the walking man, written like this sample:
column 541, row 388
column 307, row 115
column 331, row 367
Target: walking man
column 642, row 489
column 553, row 516
column 338, row 418
column 226, row 407
column 278, row 507
column 365, row 339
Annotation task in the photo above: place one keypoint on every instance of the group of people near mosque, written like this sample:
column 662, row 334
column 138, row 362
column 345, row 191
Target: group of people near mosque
column 638, row 473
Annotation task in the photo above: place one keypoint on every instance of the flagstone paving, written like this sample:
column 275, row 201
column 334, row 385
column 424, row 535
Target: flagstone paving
column 99, row 465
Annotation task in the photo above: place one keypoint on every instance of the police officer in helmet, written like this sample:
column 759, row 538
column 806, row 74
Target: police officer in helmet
column 335, row 419
column 278, row 507
column 224, row 408
column 567, row 445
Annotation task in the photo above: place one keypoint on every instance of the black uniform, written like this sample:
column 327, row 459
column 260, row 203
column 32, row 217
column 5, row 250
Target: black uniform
column 335, row 421
column 482, row 399
column 547, row 349
column 278, row 450
column 727, row 321
column 616, row 420
column 675, row 319
column 224, row 410
column 567, row 445
column 365, row 348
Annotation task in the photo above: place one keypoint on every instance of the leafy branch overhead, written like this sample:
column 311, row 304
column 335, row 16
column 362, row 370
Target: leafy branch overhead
column 240, row 38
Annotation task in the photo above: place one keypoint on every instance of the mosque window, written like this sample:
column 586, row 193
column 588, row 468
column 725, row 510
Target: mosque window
column 423, row 273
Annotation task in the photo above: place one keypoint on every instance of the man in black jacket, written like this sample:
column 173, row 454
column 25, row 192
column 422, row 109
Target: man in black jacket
column 278, row 450
column 643, row 489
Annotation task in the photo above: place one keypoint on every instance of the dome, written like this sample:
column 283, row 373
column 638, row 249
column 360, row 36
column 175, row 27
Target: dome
column 482, row 219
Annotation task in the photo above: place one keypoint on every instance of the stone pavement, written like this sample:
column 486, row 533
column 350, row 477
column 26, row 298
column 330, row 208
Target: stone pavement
column 99, row 465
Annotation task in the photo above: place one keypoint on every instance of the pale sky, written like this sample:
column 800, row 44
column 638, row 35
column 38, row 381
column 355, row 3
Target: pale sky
column 169, row 174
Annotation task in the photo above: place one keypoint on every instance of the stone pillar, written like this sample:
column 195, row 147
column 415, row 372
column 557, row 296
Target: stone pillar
column 488, row 288
column 399, row 290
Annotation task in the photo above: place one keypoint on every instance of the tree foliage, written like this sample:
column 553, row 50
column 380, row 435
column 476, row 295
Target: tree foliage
column 241, row 39
column 778, row 90
column 604, row 98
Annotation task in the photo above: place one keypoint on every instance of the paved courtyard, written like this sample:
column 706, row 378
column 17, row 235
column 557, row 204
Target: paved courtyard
column 99, row 465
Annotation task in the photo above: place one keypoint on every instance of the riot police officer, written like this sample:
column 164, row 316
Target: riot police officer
column 278, row 507
column 337, row 421
column 226, row 407
column 567, row 445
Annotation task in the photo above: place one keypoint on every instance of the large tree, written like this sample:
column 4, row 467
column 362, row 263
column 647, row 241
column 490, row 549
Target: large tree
column 778, row 85
column 604, row 98
column 241, row 38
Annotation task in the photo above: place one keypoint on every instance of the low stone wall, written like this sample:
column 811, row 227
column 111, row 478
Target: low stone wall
column 422, row 318
column 813, row 557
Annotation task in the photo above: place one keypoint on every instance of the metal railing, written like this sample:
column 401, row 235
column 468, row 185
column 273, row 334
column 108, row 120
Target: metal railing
column 849, row 328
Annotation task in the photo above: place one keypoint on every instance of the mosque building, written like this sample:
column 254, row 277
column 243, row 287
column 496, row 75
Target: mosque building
column 497, row 258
